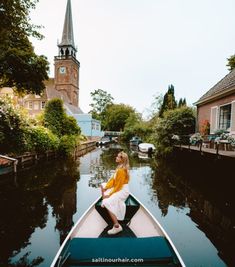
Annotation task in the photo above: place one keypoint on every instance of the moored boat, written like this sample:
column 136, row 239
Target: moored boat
column 104, row 141
column 142, row 242
column 146, row 147
column 135, row 141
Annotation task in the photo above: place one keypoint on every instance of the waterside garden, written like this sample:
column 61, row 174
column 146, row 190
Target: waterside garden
column 53, row 130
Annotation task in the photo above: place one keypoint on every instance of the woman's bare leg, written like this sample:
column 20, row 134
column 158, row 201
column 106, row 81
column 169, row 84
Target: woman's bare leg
column 114, row 218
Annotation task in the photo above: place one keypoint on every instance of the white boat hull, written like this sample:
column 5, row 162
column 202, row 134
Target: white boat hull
column 91, row 227
column 146, row 148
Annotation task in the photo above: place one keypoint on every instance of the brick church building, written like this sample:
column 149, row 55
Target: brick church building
column 65, row 84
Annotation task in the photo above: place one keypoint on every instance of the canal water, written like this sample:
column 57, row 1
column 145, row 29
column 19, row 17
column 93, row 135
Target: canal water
column 39, row 206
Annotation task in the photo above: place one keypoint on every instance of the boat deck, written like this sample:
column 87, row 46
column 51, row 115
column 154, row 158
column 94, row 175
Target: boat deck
column 98, row 222
column 126, row 232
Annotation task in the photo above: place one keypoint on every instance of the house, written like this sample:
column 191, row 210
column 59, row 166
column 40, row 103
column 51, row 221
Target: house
column 217, row 106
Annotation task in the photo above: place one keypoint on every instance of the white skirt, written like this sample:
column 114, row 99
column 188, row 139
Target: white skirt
column 116, row 202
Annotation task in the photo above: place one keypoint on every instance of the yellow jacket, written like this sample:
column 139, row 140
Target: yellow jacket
column 117, row 181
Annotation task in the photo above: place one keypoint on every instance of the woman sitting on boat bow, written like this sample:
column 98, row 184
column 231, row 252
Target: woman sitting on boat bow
column 116, row 191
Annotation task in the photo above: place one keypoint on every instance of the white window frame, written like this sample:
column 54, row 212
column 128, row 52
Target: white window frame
column 218, row 114
column 216, row 119
column 233, row 117
column 31, row 102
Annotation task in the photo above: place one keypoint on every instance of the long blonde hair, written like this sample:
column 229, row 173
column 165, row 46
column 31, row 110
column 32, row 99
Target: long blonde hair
column 125, row 162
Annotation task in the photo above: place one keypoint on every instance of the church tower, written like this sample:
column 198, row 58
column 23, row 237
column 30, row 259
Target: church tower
column 66, row 64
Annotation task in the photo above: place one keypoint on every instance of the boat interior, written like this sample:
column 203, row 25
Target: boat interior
column 137, row 222
column 141, row 239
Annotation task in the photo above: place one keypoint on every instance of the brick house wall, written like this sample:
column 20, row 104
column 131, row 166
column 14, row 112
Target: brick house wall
column 204, row 112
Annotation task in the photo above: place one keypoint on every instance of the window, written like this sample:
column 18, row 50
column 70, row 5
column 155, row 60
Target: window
column 225, row 117
column 36, row 105
column 30, row 104
column 43, row 103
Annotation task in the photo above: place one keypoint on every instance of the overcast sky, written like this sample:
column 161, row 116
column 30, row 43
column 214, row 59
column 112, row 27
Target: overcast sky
column 134, row 49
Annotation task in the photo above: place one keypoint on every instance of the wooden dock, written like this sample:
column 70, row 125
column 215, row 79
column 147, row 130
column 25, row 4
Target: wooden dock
column 205, row 150
column 8, row 165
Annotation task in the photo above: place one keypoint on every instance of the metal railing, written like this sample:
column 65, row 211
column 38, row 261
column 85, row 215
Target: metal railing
column 207, row 141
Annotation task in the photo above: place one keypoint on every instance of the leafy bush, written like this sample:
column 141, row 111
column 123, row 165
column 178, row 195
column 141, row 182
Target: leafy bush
column 70, row 126
column 180, row 121
column 68, row 143
column 19, row 133
column 56, row 119
column 41, row 139
column 13, row 123
column 54, row 115
column 135, row 126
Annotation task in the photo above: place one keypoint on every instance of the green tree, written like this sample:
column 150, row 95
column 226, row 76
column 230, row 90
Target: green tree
column 169, row 101
column 182, row 102
column 70, row 126
column 58, row 121
column 231, row 62
column 130, row 126
column 136, row 126
column 20, row 67
column 116, row 116
column 100, row 101
column 180, row 121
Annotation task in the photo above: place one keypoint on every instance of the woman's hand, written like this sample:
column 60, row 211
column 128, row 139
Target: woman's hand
column 102, row 192
column 102, row 189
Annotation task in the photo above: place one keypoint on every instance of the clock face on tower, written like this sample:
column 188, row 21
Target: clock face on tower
column 62, row 70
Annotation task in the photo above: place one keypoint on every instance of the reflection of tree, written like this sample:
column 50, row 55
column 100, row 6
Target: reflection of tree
column 215, row 224
column 108, row 157
column 99, row 174
column 61, row 195
column 101, row 170
column 24, row 262
column 177, row 182
column 23, row 211
column 164, row 184
column 24, row 207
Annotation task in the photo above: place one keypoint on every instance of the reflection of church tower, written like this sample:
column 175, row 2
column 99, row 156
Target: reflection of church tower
column 66, row 64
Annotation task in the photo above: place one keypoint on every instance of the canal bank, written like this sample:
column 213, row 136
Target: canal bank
column 28, row 159
column 205, row 167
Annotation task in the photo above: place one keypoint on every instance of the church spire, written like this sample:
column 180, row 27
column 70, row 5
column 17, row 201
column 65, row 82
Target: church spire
column 67, row 46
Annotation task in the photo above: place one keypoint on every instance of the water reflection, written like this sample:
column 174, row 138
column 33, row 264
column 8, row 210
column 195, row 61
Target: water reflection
column 204, row 200
column 41, row 205
column 24, row 206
